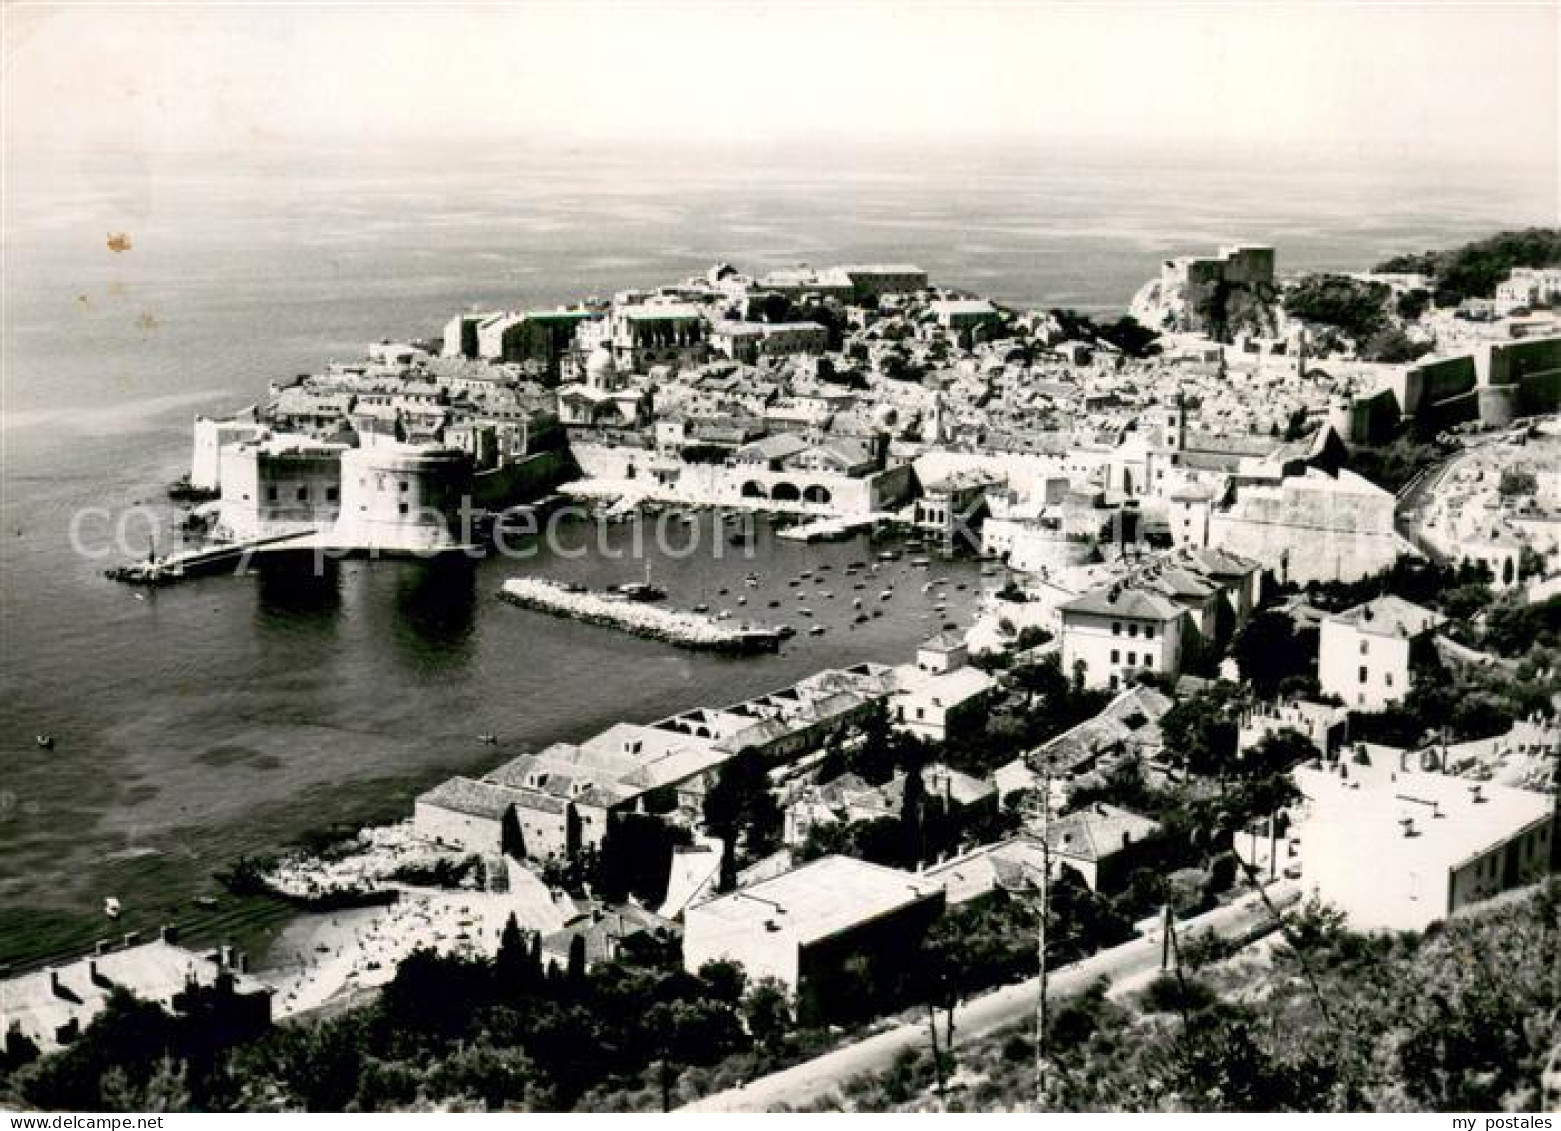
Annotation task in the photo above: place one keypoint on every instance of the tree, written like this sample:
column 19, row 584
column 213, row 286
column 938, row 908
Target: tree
column 741, row 810
column 517, row 965
column 767, row 1012
column 574, row 971
column 1354, row 307
column 913, row 800
column 1517, row 482
column 1200, row 731
column 724, row 980
column 1269, row 649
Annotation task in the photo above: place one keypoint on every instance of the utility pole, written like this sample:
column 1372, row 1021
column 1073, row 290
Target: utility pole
column 1040, row 936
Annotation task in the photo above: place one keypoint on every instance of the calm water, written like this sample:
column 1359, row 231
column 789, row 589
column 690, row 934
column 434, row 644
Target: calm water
column 231, row 715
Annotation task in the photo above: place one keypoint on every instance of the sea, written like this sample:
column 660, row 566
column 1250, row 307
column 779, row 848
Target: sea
column 235, row 715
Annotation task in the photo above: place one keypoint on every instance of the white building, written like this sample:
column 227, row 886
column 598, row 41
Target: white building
column 940, row 696
column 1396, row 849
column 210, row 437
column 1118, row 631
column 1528, row 287
column 800, row 928
column 1363, row 654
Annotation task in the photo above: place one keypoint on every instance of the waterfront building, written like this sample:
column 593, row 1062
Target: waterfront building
column 279, row 484
column 401, row 497
column 211, row 437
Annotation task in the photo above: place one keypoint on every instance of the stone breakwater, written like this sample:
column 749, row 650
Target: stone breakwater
column 673, row 626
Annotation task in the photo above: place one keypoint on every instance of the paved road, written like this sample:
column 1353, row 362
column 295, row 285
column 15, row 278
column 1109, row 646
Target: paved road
column 806, row 1083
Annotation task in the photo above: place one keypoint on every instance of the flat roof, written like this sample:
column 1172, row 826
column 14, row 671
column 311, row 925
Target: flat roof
column 1355, row 851
column 821, row 898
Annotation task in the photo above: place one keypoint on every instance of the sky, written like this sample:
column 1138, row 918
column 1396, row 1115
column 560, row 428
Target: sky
column 1481, row 78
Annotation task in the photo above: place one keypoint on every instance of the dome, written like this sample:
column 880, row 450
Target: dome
column 600, row 364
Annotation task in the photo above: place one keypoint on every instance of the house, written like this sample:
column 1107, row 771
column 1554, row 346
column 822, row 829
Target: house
column 1363, row 654
column 50, row 1008
column 1397, row 849
column 849, row 798
column 939, row 696
column 1102, row 843
column 1013, row 865
column 955, row 504
column 963, row 319
column 465, row 814
column 802, row 927
column 1128, row 727
column 1114, row 632
column 608, row 933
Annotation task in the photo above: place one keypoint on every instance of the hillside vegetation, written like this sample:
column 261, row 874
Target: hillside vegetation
column 1466, row 1017
column 1473, row 270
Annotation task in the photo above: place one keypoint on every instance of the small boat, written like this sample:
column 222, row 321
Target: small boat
column 877, row 612
column 722, row 592
column 805, row 612
column 751, row 581
column 889, row 556
column 701, row 608
column 205, row 902
column 775, row 604
column 816, row 630
column 488, row 739
column 856, row 602
column 724, row 614
column 826, row 594
column 886, row 594
column 961, row 587
column 921, row 563
column 45, row 742
column 861, row 618
column 805, row 574
column 742, row 600
column 111, row 907
column 794, row 582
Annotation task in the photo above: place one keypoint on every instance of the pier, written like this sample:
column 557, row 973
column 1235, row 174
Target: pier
column 234, row 557
column 825, row 530
column 673, row 626
column 228, row 557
